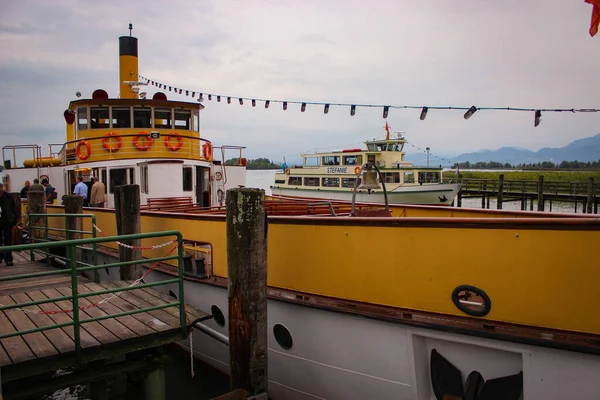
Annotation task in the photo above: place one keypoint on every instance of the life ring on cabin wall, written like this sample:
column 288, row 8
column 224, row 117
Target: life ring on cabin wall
column 356, row 170
column 139, row 146
column 107, row 146
column 207, row 151
column 179, row 141
column 218, row 176
column 287, row 171
column 83, row 157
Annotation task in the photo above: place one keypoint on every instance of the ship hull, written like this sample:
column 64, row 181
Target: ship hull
column 439, row 194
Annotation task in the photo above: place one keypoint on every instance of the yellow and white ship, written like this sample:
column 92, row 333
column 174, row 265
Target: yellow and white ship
column 399, row 307
column 337, row 176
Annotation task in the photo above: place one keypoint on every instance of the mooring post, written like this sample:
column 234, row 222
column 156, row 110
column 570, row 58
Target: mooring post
column 500, row 190
column 127, row 213
column 590, row 195
column 459, row 199
column 523, row 198
column 247, row 289
column 154, row 385
column 36, row 204
column 540, row 206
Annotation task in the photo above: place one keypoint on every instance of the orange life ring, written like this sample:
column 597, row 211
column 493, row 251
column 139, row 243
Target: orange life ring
column 207, row 150
column 87, row 146
column 356, row 170
column 140, row 146
column 218, row 176
column 179, row 141
column 287, row 171
column 107, row 137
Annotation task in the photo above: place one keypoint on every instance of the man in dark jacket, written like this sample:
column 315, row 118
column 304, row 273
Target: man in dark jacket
column 8, row 212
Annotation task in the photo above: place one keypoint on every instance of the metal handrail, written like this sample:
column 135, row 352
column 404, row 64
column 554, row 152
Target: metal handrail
column 74, row 270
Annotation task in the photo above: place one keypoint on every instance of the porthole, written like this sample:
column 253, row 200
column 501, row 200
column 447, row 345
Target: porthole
column 283, row 336
column 217, row 315
column 172, row 294
column 471, row 300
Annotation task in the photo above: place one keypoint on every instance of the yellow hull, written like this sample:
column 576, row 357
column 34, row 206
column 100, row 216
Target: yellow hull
column 539, row 272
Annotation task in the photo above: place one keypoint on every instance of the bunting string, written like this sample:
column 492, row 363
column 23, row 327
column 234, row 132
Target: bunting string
column 470, row 110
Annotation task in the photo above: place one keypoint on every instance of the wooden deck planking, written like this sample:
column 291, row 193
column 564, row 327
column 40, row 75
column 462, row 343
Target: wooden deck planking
column 134, row 322
column 42, row 282
column 15, row 346
column 155, row 297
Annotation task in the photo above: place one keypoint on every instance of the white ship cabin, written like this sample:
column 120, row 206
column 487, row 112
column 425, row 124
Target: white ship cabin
column 337, row 170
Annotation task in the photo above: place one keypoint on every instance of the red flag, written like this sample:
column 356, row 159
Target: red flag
column 595, row 16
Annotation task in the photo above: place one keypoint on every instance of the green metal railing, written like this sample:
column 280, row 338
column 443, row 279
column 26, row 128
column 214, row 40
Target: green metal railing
column 68, row 232
column 73, row 270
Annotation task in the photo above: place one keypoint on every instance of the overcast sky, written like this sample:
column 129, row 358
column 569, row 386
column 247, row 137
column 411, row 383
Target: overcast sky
column 517, row 53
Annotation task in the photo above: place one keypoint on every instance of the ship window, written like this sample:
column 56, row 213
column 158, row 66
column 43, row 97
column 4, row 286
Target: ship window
column 352, row 160
column 429, row 177
column 144, row 179
column 381, row 146
column 409, row 177
column 283, row 336
column 196, row 121
column 120, row 176
column 295, row 181
column 187, row 179
column 99, row 118
column 82, row 120
column 121, row 117
column 163, row 118
column 312, row 162
column 280, row 181
column 331, row 182
column 183, row 119
column 371, row 147
column 310, row 181
column 142, row 117
column 331, row 160
column 391, row 177
column 348, row 182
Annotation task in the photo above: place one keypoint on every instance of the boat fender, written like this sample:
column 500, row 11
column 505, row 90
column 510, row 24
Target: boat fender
column 81, row 143
column 107, row 146
column 218, row 176
column 356, row 170
column 179, row 141
column 139, row 146
column 287, row 171
column 207, row 150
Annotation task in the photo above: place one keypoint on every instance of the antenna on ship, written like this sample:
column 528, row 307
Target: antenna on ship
column 130, row 28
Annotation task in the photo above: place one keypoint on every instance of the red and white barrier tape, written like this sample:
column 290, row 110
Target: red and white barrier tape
column 157, row 246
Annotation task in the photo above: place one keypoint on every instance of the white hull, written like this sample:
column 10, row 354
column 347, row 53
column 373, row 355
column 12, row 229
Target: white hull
column 341, row 356
column 438, row 194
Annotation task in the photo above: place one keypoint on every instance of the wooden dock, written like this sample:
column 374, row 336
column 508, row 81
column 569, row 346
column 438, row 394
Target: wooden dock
column 30, row 354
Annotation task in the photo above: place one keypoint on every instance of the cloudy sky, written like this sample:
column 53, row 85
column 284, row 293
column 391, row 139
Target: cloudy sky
column 506, row 53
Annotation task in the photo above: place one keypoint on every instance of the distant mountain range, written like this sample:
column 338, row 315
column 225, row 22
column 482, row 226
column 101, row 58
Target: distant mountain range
column 587, row 149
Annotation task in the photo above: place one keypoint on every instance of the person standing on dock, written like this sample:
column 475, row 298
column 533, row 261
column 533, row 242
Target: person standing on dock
column 98, row 196
column 8, row 212
column 25, row 190
column 81, row 189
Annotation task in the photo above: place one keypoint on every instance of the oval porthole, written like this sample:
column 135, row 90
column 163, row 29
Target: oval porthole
column 172, row 294
column 217, row 315
column 471, row 300
column 283, row 336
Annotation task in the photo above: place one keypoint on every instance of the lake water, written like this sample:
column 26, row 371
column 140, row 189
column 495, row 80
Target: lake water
column 263, row 179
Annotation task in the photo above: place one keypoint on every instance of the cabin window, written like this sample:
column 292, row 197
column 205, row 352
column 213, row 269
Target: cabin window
column 331, row 182
column 142, row 117
column 120, row 176
column 348, row 182
column 99, row 118
column 395, row 146
column 409, row 177
column 82, row 119
column 163, row 118
column 391, row 177
column 331, row 160
column 187, row 179
column 371, row 147
column 295, row 181
column 144, row 179
column 312, row 162
column 183, row 119
column 352, row 160
column 121, row 117
column 429, row 177
column 310, row 181
column 381, row 146
column 196, row 121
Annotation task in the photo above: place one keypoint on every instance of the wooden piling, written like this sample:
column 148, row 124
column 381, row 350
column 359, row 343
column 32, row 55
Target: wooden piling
column 127, row 213
column 73, row 205
column 500, row 191
column 459, row 200
column 590, row 196
column 247, row 289
column 540, row 205
column 36, row 204
column 523, row 198
column 154, row 385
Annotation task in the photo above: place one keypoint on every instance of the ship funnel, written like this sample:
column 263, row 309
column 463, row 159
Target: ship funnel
column 128, row 66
